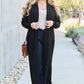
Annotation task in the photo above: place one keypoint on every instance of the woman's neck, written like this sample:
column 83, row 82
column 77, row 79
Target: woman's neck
column 42, row 1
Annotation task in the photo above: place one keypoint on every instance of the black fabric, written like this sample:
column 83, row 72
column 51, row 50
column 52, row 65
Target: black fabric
column 32, row 43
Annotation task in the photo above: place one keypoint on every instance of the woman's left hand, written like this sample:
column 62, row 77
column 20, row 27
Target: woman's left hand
column 49, row 23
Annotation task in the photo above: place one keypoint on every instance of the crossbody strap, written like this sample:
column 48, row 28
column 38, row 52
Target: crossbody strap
column 27, row 31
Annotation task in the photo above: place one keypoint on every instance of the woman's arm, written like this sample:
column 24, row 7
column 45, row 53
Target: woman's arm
column 56, row 22
column 25, row 23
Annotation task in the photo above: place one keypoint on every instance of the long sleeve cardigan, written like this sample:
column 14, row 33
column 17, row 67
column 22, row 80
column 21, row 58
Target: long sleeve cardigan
column 32, row 42
column 27, row 25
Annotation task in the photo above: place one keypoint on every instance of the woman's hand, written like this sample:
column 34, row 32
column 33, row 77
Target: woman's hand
column 49, row 23
column 34, row 25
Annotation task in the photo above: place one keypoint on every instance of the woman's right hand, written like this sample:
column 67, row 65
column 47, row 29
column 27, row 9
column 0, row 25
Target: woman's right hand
column 34, row 25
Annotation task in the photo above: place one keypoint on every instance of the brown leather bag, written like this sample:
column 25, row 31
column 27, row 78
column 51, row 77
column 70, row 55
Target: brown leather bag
column 24, row 46
column 24, row 50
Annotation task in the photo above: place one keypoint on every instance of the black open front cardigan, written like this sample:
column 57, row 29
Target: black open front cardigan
column 32, row 43
column 34, row 17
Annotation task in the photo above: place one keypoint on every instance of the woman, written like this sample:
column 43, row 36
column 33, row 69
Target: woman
column 44, row 17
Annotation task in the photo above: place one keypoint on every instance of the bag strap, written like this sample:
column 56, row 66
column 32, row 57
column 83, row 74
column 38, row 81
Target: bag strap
column 27, row 31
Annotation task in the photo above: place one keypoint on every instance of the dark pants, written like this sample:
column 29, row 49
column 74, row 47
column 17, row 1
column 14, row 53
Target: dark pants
column 40, row 53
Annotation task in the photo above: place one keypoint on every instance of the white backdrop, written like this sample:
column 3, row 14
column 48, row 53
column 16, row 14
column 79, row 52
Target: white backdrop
column 12, row 34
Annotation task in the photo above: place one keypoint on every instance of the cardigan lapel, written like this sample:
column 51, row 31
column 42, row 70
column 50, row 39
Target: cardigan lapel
column 47, row 8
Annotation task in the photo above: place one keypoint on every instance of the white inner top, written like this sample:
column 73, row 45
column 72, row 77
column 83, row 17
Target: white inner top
column 42, row 19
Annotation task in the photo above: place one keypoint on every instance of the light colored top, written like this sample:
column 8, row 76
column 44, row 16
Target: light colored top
column 42, row 19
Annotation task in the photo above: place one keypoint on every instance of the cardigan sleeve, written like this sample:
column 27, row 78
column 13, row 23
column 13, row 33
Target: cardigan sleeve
column 56, row 22
column 25, row 23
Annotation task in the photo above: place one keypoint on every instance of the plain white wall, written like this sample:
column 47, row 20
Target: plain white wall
column 12, row 34
column 0, row 15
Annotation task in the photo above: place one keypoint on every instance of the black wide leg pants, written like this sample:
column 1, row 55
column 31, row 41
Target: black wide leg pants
column 40, row 53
